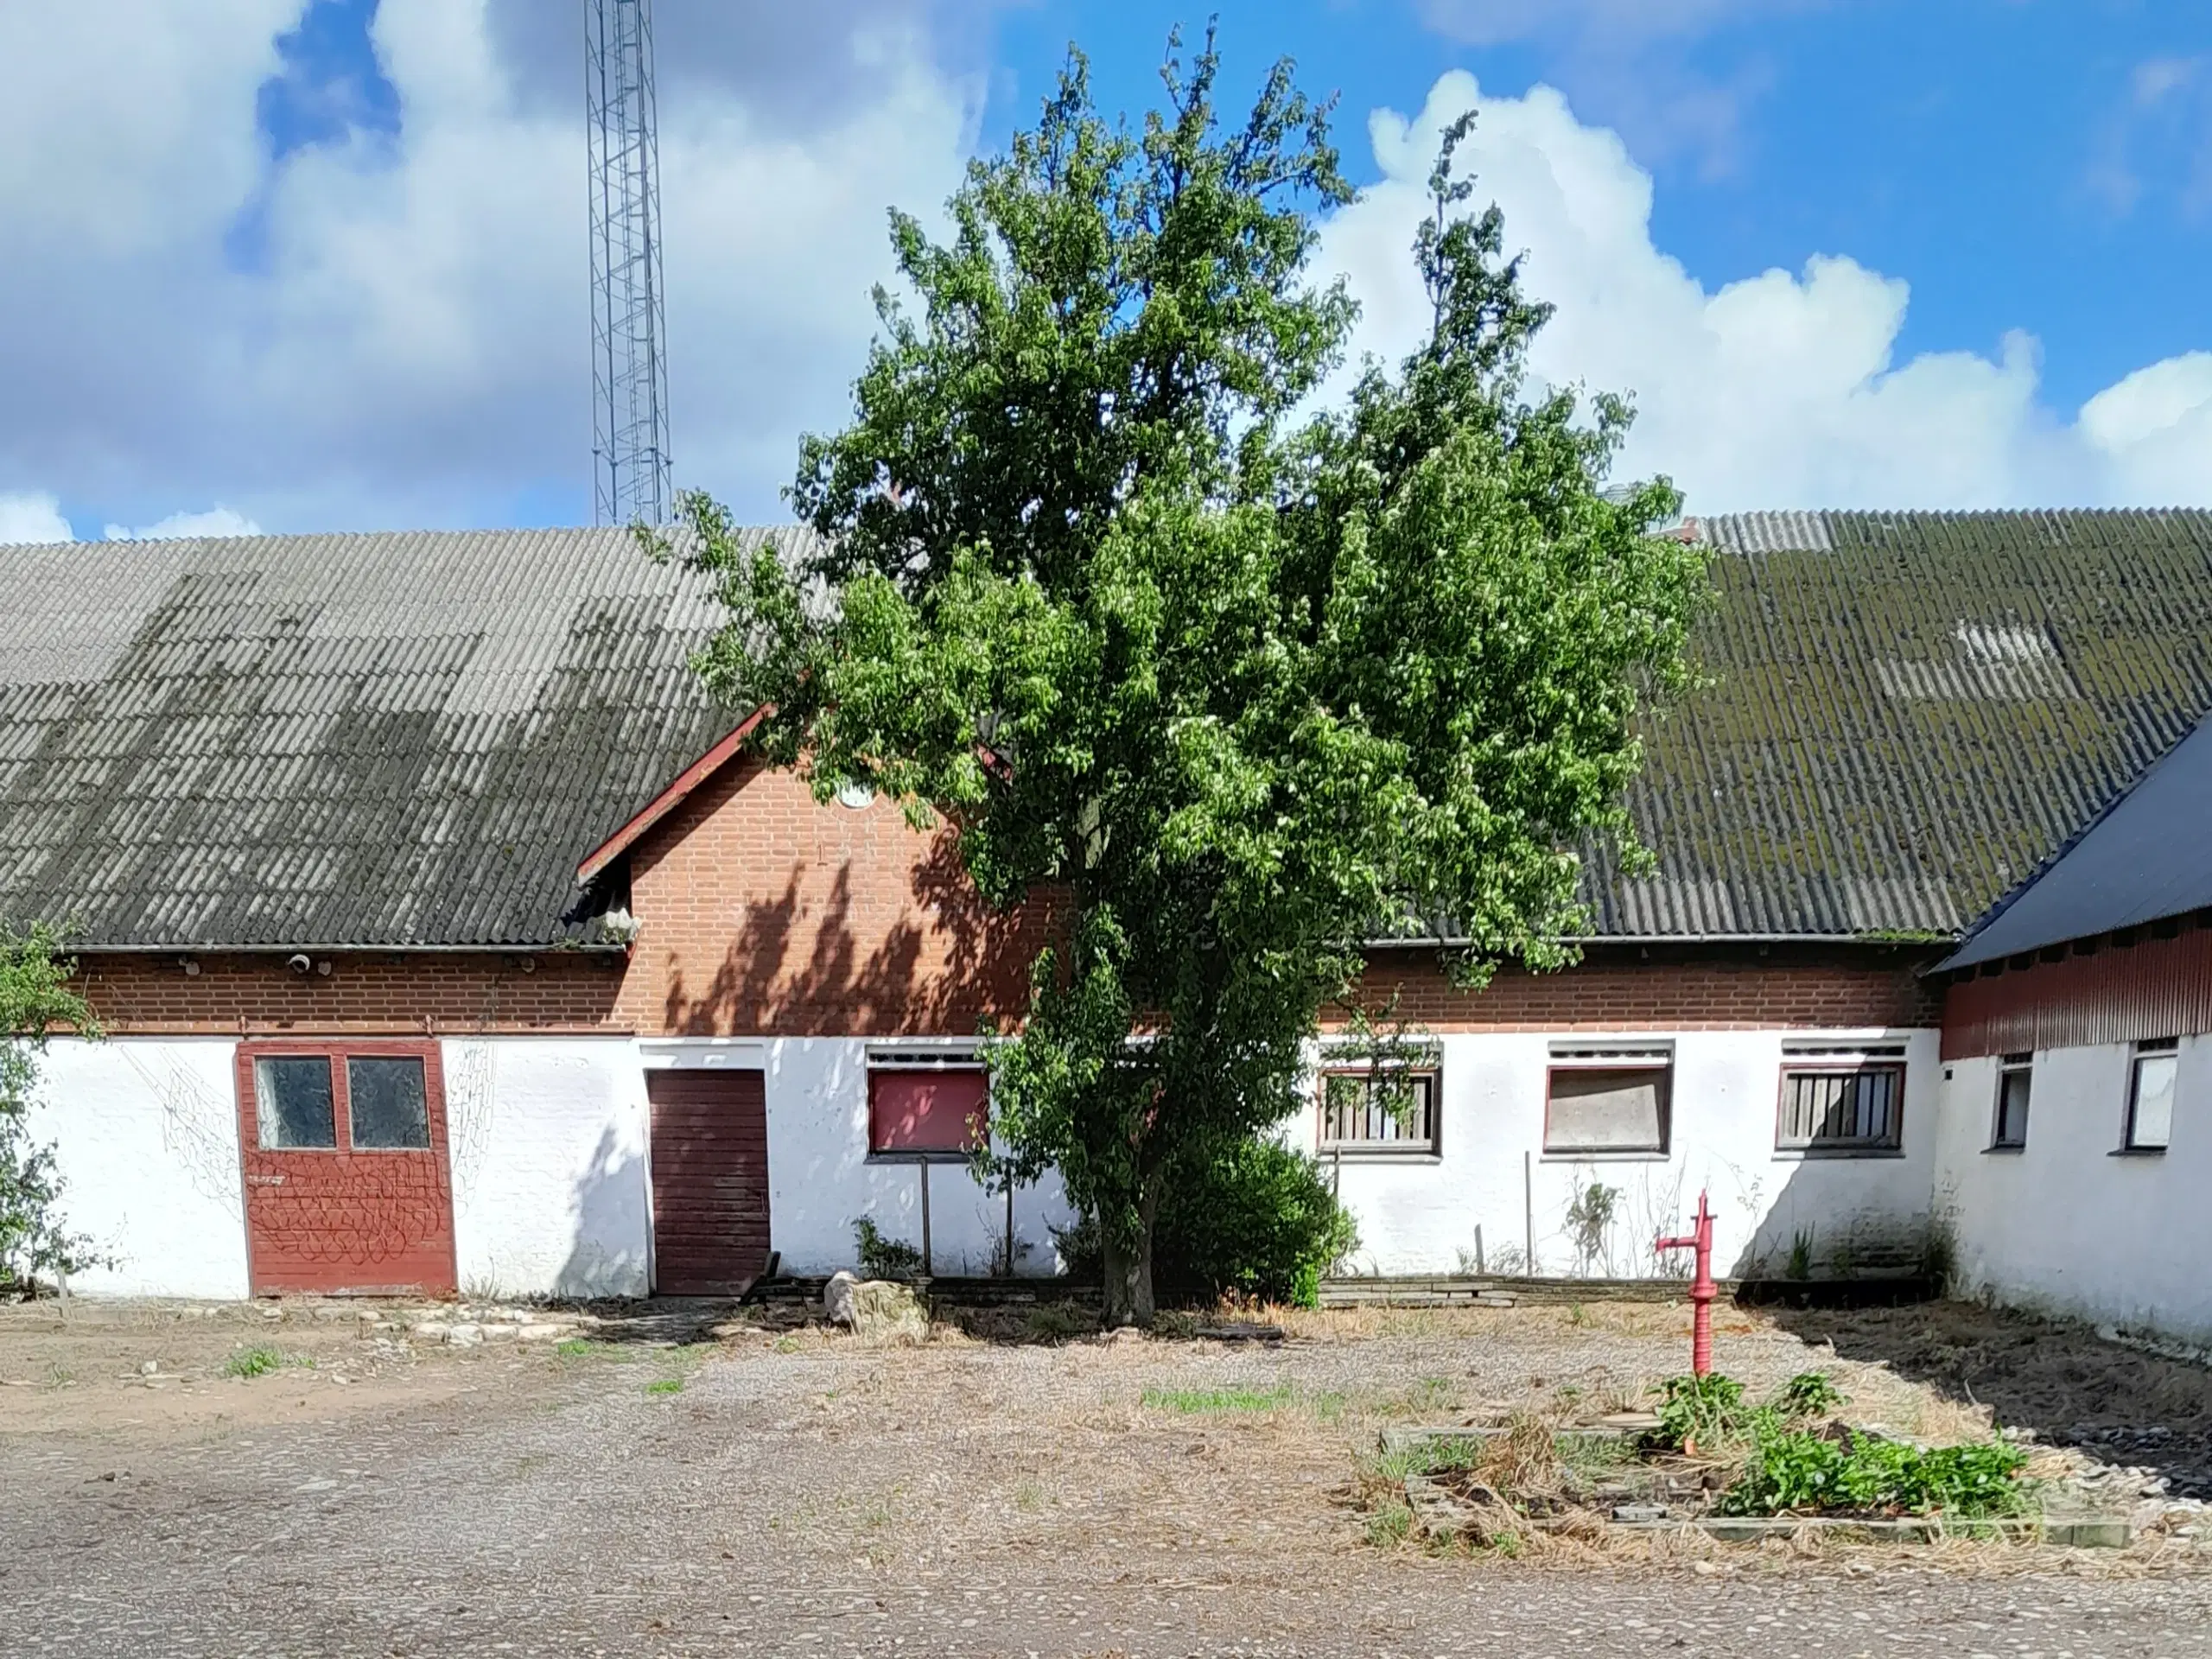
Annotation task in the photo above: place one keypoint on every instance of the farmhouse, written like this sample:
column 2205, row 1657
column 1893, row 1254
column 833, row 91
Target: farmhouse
column 446, row 935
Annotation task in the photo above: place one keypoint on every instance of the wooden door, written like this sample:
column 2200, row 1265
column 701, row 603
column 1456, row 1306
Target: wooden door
column 348, row 1189
column 710, row 1181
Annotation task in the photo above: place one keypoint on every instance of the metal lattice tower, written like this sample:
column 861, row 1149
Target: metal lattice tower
column 630, row 469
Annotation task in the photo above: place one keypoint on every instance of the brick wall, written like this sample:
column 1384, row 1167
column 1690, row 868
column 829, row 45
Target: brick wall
column 1719, row 987
column 762, row 911
column 365, row 992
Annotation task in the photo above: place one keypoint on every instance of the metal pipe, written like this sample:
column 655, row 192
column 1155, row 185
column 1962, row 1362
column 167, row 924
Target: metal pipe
column 1702, row 1287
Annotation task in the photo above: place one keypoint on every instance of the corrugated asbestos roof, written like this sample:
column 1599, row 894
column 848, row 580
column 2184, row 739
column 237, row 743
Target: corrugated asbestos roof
column 402, row 740
column 1910, row 712
column 412, row 739
column 2144, row 861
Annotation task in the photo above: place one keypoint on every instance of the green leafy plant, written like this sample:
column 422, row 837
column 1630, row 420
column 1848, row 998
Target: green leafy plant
column 1800, row 1265
column 35, row 999
column 1241, row 674
column 1590, row 1224
column 884, row 1258
column 1809, row 1394
column 665, row 1385
column 1700, row 1411
column 259, row 1361
column 1792, row 1472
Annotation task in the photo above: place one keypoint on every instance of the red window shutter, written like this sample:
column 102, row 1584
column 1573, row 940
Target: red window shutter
column 926, row 1111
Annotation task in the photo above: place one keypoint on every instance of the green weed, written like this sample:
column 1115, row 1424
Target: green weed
column 1389, row 1527
column 1794, row 1472
column 1703, row 1410
column 665, row 1385
column 260, row 1360
column 1210, row 1401
column 574, row 1348
column 1809, row 1394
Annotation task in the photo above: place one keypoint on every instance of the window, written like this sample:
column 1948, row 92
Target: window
column 338, row 1099
column 2151, row 1094
column 1395, row 1112
column 925, row 1104
column 1608, row 1099
column 387, row 1103
column 2014, row 1074
column 293, row 1102
column 1841, row 1099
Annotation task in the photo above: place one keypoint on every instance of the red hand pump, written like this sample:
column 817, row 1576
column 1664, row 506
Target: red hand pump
column 1702, row 1289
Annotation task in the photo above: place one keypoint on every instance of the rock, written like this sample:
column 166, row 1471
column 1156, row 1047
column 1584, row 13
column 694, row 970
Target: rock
column 875, row 1309
column 151, row 1368
column 464, row 1336
column 497, row 1332
column 1639, row 1514
column 543, row 1332
column 272, row 1311
column 430, row 1330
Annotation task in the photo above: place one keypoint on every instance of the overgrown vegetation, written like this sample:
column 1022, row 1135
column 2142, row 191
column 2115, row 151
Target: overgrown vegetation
column 35, row 999
column 1699, row 1411
column 884, row 1258
column 1240, row 682
column 1257, row 1218
column 1797, row 1472
column 1213, row 1402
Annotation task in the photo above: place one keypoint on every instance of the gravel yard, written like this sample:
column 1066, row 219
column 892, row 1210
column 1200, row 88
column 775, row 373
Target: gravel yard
column 645, row 1486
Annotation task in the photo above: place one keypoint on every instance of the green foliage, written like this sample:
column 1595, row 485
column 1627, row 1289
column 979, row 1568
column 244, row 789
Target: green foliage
column 1258, row 1218
column 882, row 1257
column 1192, row 1403
column 1809, row 1394
column 35, row 999
column 665, row 1385
column 260, row 1360
column 1708, row 1410
column 1240, row 681
column 1800, row 1265
column 1794, row 1472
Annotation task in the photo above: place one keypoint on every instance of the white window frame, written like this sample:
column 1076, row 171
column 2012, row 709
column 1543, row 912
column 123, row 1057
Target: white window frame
column 2010, row 1066
column 2157, row 1048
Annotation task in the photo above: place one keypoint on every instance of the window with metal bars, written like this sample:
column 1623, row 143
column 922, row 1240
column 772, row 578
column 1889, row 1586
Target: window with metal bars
column 1841, row 1100
column 1394, row 1111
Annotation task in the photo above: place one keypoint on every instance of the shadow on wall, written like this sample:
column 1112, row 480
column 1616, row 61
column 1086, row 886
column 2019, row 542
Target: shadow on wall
column 798, row 968
column 1844, row 1217
column 610, row 1219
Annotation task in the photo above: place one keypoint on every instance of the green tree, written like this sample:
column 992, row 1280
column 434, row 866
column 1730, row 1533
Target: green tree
column 35, row 998
column 1249, row 682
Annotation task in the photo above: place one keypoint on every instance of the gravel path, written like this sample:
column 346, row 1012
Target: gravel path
column 807, row 1496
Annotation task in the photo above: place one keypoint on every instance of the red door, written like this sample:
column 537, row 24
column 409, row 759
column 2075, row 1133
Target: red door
column 710, row 1181
column 348, row 1189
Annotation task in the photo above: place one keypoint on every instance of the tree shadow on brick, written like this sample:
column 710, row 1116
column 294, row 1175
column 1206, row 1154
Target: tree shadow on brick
column 945, row 964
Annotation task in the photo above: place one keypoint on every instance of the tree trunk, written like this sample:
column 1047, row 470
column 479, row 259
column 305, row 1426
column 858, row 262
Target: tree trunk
column 1127, row 1272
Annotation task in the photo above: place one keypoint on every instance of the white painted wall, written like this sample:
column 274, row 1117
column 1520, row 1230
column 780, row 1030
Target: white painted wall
column 145, row 1133
column 1419, row 1216
column 552, row 1190
column 2062, row 1225
column 821, row 1179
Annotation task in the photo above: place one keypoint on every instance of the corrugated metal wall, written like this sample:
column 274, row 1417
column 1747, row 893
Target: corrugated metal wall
column 2119, row 993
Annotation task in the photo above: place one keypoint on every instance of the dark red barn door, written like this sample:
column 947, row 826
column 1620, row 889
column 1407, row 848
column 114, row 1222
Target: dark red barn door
column 348, row 1189
column 710, row 1181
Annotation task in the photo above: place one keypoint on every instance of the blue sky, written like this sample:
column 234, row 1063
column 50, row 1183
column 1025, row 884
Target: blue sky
column 320, row 263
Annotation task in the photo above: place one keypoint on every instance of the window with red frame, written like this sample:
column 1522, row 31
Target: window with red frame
column 301, row 1100
column 925, row 1106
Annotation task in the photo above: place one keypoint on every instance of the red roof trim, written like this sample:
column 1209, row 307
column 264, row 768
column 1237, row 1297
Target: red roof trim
column 671, row 797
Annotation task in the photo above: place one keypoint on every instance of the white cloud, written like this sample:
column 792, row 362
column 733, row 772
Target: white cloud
column 1780, row 389
column 32, row 517
column 410, row 345
column 178, row 526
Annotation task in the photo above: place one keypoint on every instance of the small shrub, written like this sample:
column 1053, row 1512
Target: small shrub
column 257, row 1361
column 1256, row 1220
column 1809, row 1394
column 1703, row 1411
column 885, row 1258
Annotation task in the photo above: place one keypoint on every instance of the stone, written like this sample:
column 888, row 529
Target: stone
column 875, row 1309
column 464, row 1336
column 430, row 1330
column 543, row 1332
column 498, row 1333
column 1639, row 1514
column 151, row 1368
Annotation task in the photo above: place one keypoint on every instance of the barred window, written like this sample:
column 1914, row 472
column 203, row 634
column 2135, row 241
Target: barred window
column 1394, row 1111
column 1841, row 1099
